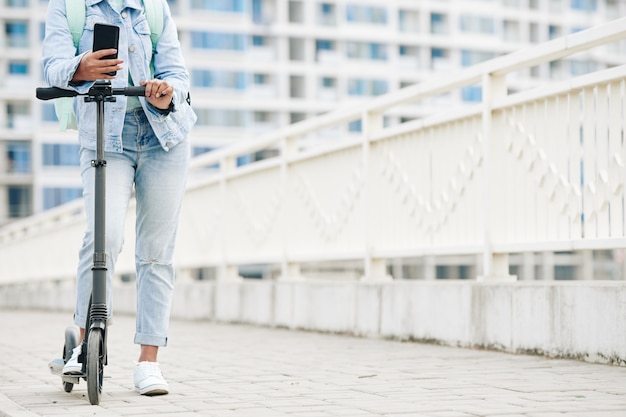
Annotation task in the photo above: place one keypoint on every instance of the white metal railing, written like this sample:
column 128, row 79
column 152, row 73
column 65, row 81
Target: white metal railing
column 537, row 170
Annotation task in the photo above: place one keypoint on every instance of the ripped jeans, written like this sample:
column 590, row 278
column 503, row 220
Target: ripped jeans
column 159, row 178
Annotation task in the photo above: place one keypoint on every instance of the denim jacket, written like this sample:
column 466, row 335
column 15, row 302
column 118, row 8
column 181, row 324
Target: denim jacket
column 61, row 59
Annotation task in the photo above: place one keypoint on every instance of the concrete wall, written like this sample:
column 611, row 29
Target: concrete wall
column 582, row 320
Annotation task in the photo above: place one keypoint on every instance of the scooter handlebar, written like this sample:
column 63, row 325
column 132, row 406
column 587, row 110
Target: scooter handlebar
column 49, row 93
column 139, row 91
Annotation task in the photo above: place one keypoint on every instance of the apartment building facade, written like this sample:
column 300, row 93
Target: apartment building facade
column 256, row 65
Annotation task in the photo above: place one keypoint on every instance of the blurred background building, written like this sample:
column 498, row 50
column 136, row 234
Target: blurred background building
column 256, row 65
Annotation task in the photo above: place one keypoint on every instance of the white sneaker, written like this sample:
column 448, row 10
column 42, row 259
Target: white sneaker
column 72, row 367
column 149, row 379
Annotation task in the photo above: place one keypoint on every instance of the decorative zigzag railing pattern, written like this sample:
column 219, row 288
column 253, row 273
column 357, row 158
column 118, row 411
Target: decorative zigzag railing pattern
column 540, row 169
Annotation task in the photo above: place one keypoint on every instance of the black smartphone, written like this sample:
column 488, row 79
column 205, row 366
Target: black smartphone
column 106, row 37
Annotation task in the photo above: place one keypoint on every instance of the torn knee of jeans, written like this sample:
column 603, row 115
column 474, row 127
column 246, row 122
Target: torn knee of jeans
column 153, row 261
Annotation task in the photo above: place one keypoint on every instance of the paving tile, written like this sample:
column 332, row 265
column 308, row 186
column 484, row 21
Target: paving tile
column 238, row 371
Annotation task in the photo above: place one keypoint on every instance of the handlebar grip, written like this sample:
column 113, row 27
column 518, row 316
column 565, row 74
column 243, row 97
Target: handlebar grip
column 135, row 91
column 49, row 93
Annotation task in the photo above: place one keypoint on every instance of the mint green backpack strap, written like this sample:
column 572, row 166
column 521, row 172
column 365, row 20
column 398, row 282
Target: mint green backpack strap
column 64, row 109
column 154, row 16
column 64, row 106
column 76, row 14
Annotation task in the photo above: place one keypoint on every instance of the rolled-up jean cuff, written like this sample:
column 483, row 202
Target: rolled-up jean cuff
column 150, row 340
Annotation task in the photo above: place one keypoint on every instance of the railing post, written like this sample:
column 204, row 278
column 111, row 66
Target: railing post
column 586, row 264
column 547, row 265
column 429, row 268
column 528, row 266
column 374, row 269
column 495, row 265
column 226, row 271
column 288, row 270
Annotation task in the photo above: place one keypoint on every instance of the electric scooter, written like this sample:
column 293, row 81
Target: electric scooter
column 94, row 347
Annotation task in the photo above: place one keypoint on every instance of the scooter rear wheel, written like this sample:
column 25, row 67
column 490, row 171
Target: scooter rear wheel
column 71, row 338
column 95, row 360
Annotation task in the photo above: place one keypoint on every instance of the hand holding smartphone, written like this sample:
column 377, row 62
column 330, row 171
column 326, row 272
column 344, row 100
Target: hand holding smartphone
column 106, row 37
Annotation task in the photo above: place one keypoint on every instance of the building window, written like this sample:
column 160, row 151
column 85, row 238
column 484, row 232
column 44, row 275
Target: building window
column 61, row 154
column 472, row 94
column 440, row 58
column 258, row 41
column 18, row 115
column 199, row 150
column 296, row 12
column 438, row 23
column 222, row 117
column 554, row 31
column 408, row 21
column 18, row 68
column 262, row 117
column 17, row 3
column 326, row 51
column 297, row 86
column 533, row 33
column 469, row 58
column 378, row 51
column 477, row 24
column 48, row 113
column 408, row 55
column 16, row 34
column 53, row 197
column 556, row 70
column 360, row 87
column 355, row 126
column 580, row 67
column 260, row 79
column 366, row 14
column 328, row 82
column 326, row 15
column 296, row 49
column 234, row 6
column 205, row 78
column 218, row 41
column 296, row 117
column 257, row 11
column 324, row 45
column 586, row 5
column 18, row 157
column 511, row 31
column 20, row 200
column 362, row 50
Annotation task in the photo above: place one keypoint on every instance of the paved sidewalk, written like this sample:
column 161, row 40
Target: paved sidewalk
column 220, row 370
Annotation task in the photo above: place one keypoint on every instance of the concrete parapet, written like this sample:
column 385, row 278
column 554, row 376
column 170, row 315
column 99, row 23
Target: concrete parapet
column 585, row 320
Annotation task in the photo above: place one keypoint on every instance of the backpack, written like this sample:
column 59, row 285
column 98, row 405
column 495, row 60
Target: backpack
column 76, row 15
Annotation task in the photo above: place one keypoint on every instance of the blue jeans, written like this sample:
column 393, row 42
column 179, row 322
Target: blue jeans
column 159, row 178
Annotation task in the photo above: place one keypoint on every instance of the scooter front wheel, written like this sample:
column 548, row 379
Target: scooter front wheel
column 95, row 365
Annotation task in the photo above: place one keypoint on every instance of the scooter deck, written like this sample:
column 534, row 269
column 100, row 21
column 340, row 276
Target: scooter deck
column 56, row 368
